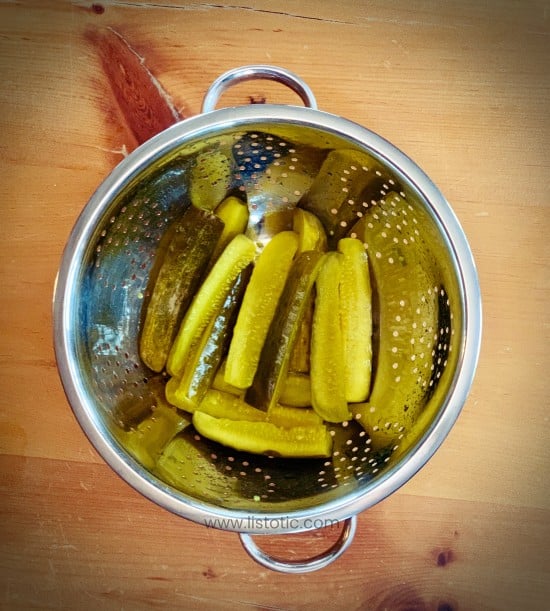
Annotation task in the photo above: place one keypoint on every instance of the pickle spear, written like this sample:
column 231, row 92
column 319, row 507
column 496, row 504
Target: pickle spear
column 225, row 405
column 258, row 307
column 234, row 214
column 344, row 186
column 311, row 236
column 310, row 230
column 179, row 275
column 146, row 441
column 356, row 319
column 205, row 357
column 265, row 437
column 408, row 304
column 238, row 254
column 281, row 336
column 328, row 392
column 210, row 179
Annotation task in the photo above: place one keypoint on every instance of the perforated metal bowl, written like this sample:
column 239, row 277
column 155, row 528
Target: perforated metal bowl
column 273, row 154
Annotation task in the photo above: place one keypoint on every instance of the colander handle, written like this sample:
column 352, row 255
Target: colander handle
column 302, row 566
column 255, row 72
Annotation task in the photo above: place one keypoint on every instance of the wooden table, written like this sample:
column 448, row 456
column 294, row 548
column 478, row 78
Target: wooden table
column 463, row 88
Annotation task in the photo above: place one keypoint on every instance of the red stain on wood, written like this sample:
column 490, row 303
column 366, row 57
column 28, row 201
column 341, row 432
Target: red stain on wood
column 147, row 109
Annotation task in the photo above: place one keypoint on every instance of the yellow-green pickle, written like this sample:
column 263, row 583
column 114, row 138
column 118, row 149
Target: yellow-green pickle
column 269, row 348
column 185, row 261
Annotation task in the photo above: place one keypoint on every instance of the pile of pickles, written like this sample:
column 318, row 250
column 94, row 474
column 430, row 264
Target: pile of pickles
column 264, row 345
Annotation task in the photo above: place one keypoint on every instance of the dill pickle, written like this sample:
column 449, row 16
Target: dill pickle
column 258, row 308
column 225, row 405
column 221, row 404
column 210, row 179
column 234, row 214
column 408, row 304
column 328, row 392
column 281, row 336
column 238, row 254
column 356, row 319
column 185, row 260
column 311, row 236
column 265, row 437
column 205, row 358
column 346, row 182
column 147, row 440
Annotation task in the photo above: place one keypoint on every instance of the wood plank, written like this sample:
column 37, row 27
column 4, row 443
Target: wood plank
column 98, row 544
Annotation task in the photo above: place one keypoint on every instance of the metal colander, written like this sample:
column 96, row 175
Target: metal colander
column 271, row 156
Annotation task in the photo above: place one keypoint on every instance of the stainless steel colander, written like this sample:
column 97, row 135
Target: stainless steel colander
column 275, row 157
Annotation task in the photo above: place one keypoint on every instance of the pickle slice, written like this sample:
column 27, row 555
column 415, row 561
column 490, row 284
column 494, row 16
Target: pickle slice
column 408, row 304
column 205, row 358
column 300, row 355
column 281, row 336
column 265, row 437
column 179, row 275
column 224, row 405
column 210, row 179
column 311, row 236
column 328, row 393
column 234, row 215
column 220, row 404
column 258, row 307
column 310, row 230
column 239, row 253
column 356, row 319
column 344, row 186
column 147, row 441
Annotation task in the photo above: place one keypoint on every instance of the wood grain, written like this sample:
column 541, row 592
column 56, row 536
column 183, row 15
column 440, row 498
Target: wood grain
column 463, row 88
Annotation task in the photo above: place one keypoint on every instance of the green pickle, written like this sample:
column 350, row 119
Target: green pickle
column 234, row 214
column 288, row 416
column 408, row 322
column 219, row 382
column 258, row 308
column 206, row 356
column 265, row 437
column 356, row 319
column 148, row 439
column 343, row 188
column 311, row 236
column 275, row 355
column 220, row 404
column 238, row 254
column 210, row 179
column 296, row 390
column 328, row 392
column 179, row 275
